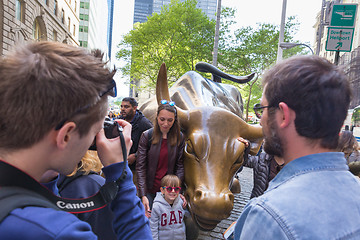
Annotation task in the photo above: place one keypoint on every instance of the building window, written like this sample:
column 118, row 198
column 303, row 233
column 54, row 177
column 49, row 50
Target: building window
column 84, row 5
column 75, row 6
column 47, row 2
column 62, row 16
column 69, row 24
column 84, row 17
column 55, row 8
column 83, row 29
column 55, row 37
column 83, row 43
column 74, row 30
column 36, row 31
column 20, row 10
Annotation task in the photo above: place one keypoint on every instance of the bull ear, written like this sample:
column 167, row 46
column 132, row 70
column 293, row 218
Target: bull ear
column 183, row 117
column 255, row 136
column 162, row 89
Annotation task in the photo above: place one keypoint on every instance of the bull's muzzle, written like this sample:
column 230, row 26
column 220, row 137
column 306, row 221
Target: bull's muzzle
column 209, row 207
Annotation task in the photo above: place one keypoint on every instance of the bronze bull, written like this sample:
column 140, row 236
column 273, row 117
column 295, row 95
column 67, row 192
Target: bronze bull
column 210, row 117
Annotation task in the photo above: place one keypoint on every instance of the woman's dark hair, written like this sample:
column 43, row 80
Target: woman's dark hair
column 347, row 143
column 174, row 132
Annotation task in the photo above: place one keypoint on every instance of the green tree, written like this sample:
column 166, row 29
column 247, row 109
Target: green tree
column 181, row 35
column 253, row 49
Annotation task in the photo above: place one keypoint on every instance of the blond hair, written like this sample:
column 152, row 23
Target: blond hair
column 90, row 162
column 170, row 180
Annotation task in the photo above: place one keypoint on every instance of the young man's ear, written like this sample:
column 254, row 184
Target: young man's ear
column 64, row 134
column 286, row 114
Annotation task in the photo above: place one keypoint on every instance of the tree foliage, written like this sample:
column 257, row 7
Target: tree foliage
column 253, row 49
column 181, row 35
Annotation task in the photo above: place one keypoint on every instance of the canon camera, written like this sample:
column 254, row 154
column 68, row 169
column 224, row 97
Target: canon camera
column 111, row 131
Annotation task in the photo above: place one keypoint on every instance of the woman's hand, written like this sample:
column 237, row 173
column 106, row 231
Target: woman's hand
column 244, row 141
column 145, row 201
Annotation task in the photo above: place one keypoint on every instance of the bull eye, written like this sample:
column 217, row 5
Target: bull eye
column 188, row 147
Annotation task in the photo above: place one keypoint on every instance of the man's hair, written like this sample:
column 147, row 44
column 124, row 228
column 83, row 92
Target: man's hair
column 170, row 181
column 131, row 100
column 174, row 136
column 316, row 90
column 44, row 83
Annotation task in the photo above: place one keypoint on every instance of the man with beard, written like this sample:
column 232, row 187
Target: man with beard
column 314, row 196
column 139, row 122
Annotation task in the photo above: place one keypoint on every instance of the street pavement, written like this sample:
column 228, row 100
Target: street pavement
column 240, row 200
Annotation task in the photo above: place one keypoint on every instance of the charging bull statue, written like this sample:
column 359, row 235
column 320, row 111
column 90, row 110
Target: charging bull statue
column 210, row 115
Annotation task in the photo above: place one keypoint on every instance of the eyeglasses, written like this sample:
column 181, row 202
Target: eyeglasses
column 170, row 189
column 171, row 103
column 259, row 110
column 112, row 91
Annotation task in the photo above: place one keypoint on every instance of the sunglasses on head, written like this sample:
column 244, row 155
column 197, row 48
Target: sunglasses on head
column 170, row 189
column 171, row 103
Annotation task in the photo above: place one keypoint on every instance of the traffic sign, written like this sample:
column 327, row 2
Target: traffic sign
column 339, row 39
column 343, row 15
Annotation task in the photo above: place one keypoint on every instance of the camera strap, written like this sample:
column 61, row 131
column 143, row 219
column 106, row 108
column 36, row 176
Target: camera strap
column 11, row 176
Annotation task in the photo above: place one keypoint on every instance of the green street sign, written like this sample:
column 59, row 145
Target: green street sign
column 343, row 15
column 339, row 39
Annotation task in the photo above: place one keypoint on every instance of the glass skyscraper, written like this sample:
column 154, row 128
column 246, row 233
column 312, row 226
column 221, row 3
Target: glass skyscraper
column 144, row 8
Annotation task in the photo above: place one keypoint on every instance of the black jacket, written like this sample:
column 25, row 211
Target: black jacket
column 139, row 124
column 261, row 168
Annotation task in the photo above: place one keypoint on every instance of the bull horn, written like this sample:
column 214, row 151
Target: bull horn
column 255, row 135
column 217, row 74
column 162, row 89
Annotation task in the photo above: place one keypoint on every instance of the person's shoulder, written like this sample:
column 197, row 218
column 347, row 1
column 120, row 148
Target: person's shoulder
column 148, row 131
column 40, row 222
column 83, row 186
column 145, row 121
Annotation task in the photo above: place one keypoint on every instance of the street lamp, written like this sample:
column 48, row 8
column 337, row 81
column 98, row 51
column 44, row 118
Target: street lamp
column 287, row 45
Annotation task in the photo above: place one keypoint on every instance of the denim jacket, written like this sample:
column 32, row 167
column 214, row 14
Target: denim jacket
column 312, row 197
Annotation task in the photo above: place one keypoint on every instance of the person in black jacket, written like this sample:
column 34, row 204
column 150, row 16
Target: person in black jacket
column 139, row 122
column 265, row 168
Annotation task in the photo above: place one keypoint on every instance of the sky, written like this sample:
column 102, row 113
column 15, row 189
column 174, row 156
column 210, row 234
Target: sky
column 269, row 11
column 249, row 12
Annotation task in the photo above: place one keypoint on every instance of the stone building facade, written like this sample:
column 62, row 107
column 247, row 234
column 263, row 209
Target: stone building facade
column 350, row 61
column 38, row 20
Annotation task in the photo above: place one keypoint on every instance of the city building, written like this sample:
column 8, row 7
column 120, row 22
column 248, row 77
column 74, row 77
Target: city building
column 144, row 8
column 93, row 25
column 52, row 20
column 349, row 60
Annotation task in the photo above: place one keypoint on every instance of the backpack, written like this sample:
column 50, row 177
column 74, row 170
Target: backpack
column 17, row 197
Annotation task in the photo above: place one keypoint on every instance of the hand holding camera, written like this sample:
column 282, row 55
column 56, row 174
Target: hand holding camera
column 108, row 142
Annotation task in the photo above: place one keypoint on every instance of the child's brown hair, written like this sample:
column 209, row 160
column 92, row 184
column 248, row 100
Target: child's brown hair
column 171, row 180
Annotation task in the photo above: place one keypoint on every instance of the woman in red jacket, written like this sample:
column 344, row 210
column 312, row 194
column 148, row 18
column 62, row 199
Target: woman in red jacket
column 160, row 152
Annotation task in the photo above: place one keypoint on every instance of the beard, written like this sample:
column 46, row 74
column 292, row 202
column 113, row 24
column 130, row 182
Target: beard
column 272, row 143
